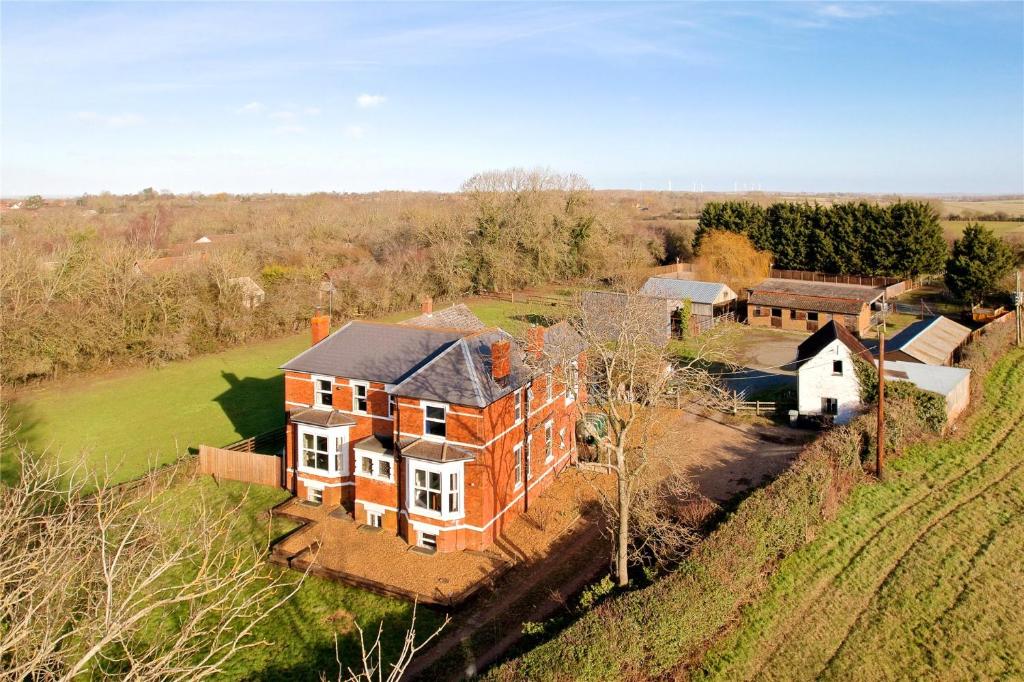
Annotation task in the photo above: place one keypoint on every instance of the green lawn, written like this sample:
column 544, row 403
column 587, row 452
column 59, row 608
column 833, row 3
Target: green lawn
column 918, row 578
column 126, row 421
column 299, row 635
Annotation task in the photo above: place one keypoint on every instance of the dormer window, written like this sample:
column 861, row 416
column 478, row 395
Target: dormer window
column 359, row 393
column 322, row 392
column 434, row 421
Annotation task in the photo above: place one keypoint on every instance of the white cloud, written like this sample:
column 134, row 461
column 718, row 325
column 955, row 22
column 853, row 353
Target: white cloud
column 355, row 132
column 850, row 11
column 253, row 108
column 282, row 115
column 290, row 130
column 366, row 101
column 311, row 111
column 109, row 121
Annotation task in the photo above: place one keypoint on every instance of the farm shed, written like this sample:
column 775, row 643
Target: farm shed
column 826, row 375
column 952, row 383
column 710, row 302
column 250, row 293
column 932, row 341
column 806, row 306
column 606, row 311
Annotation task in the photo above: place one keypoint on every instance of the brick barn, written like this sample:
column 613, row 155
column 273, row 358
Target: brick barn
column 807, row 306
column 439, row 435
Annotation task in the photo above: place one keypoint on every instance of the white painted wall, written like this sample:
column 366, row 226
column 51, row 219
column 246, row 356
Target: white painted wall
column 817, row 381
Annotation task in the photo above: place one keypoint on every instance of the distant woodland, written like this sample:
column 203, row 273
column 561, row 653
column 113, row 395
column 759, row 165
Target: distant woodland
column 108, row 280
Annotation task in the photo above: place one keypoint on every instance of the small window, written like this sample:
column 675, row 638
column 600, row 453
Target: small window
column 375, row 519
column 385, row 469
column 366, row 465
column 453, row 492
column 572, row 383
column 792, row 314
column 549, row 442
column 776, row 312
column 812, row 317
column 837, row 368
column 359, row 392
column 549, row 387
column 561, row 439
column 322, row 392
column 517, row 398
column 427, row 489
column 829, row 406
column 315, row 495
column 428, row 540
column 392, row 405
column 517, row 466
column 434, row 421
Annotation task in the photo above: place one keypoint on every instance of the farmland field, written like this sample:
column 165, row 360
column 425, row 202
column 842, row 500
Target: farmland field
column 1002, row 228
column 918, row 577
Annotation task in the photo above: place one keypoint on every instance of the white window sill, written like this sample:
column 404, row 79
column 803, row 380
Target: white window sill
column 372, row 477
column 440, row 516
column 321, row 472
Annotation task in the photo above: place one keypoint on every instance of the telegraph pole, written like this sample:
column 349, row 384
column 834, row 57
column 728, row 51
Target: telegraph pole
column 880, row 452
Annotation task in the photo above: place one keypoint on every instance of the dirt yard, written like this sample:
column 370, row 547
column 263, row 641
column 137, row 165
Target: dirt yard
column 766, row 360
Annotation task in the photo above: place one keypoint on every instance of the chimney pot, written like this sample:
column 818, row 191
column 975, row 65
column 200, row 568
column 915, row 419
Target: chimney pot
column 501, row 364
column 320, row 325
column 427, row 305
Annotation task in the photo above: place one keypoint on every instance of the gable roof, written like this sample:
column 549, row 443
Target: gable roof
column 832, row 331
column 931, row 341
column 847, row 299
column 458, row 316
column 374, row 351
column 606, row 311
column 679, row 289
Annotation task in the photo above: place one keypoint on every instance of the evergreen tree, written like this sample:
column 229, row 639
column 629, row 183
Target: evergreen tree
column 978, row 262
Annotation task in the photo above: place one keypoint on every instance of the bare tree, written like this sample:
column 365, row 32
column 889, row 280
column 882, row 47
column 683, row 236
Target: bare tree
column 106, row 582
column 371, row 659
column 630, row 373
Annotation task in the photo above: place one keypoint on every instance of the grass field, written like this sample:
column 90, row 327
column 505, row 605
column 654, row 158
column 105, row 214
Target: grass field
column 300, row 634
column 1013, row 207
column 954, row 229
column 918, row 578
column 129, row 420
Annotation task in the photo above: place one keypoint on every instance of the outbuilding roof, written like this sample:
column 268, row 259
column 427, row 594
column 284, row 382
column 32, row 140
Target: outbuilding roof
column 847, row 299
column 831, row 331
column 931, row 341
column 679, row 289
column 941, row 380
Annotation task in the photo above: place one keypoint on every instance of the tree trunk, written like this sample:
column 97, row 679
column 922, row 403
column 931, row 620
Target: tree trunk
column 622, row 537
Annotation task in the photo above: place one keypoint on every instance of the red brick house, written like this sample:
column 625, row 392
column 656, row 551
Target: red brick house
column 439, row 435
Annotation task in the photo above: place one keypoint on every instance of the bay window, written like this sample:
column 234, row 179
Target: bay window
column 435, row 489
column 314, row 452
column 323, row 451
column 427, row 490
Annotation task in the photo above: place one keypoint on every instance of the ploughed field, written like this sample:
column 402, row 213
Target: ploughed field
column 918, row 578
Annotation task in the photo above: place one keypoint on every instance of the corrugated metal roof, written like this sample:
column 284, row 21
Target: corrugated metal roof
column 941, row 380
column 932, row 341
column 679, row 289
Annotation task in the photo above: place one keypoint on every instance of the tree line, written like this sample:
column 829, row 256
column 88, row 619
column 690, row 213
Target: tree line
column 902, row 239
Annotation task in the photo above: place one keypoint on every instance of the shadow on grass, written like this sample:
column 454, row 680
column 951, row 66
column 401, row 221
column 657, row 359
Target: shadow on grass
column 253, row 405
column 22, row 436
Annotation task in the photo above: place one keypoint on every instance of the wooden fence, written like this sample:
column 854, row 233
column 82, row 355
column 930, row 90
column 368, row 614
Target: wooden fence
column 235, row 465
column 894, row 286
column 758, row 407
column 671, row 269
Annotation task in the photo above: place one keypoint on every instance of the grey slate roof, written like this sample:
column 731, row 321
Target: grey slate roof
column 374, row 352
column 941, row 380
column 931, row 341
column 679, row 289
column 606, row 311
column 458, row 316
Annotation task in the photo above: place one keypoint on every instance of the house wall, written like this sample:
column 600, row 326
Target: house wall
column 816, row 381
column 795, row 319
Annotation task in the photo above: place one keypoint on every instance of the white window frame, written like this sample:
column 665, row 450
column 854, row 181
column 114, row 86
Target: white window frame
column 314, row 491
column 517, row 398
column 549, row 387
column 376, row 460
column 337, row 449
column 428, row 436
column 561, row 439
column 375, row 515
column 421, row 541
column 549, row 441
column 517, row 464
column 572, row 382
column 392, row 405
column 318, row 392
column 365, row 385
column 445, row 471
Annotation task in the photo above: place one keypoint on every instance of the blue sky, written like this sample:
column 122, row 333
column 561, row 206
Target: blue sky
column 910, row 97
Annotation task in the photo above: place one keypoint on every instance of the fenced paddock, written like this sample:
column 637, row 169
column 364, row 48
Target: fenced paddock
column 235, row 465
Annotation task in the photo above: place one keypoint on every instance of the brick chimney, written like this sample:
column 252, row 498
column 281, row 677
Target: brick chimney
column 501, row 363
column 321, row 326
column 427, row 306
column 535, row 342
